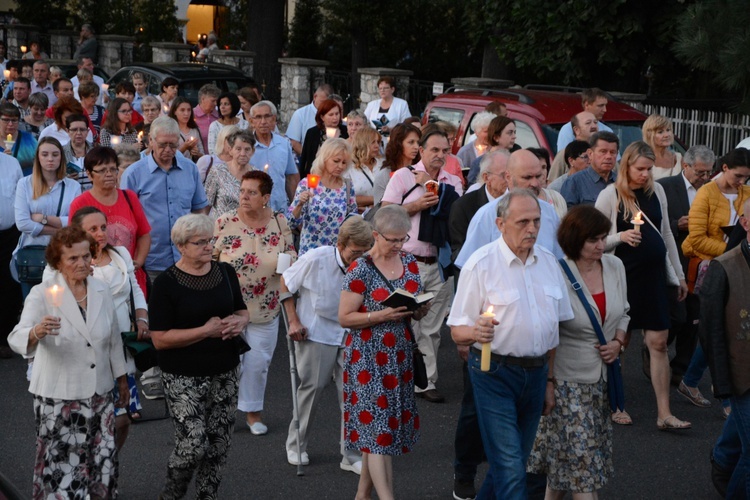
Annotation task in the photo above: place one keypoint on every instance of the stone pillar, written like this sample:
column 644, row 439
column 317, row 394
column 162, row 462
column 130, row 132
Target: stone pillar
column 18, row 35
column 62, row 44
column 368, row 83
column 115, row 51
column 299, row 79
column 481, row 83
column 239, row 59
column 162, row 52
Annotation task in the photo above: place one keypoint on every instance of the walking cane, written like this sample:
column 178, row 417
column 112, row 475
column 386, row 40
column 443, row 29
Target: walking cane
column 293, row 372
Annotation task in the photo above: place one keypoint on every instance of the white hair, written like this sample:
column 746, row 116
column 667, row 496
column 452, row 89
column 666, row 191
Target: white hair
column 482, row 120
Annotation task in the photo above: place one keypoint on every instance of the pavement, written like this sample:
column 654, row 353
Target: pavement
column 649, row 464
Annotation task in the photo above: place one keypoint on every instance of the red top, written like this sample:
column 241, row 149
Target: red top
column 601, row 303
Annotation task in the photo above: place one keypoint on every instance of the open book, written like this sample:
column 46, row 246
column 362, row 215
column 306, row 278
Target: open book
column 401, row 297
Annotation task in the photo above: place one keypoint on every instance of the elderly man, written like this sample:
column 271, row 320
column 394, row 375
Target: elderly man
column 41, row 81
column 168, row 187
column 584, row 125
column 317, row 278
column 205, row 112
column 273, row 154
column 523, row 283
column 10, row 290
column 21, row 93
column 304, row 118
column 594, row 101
column 524, row 172
column 87, row 63
column 87, row 44
column 406, row 188
column 583, row 188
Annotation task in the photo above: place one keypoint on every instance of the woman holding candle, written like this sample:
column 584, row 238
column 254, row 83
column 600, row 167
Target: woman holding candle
column 658, row 133
column 117, row 128
column 251, row 238
column 223, row 181
column 501, row 134
column 380, row 410
column 169, row 89
column 328, row 126
column 475, row 149
column 648, row 251
column 69, row 325
column 64, row 107
column 36, row 121
column 319, row 211
column 17, row 143
column 366, row 163
column 190, row 143
column 229, row 107
column 574, row 442
column 402, row 151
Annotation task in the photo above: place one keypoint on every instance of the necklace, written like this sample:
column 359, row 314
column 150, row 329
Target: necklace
column 84, row 298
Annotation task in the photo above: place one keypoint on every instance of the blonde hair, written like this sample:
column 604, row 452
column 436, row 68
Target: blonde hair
column 651, row 125
column 361, row 147
column 625, row 194
column 329, row 149
column 221, row 137
column 38, row 184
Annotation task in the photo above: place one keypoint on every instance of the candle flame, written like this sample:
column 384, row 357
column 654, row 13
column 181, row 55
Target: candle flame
column 638, row 216
column 490, row 309
column 265, row 169
column 312, row 181
column 55, row 295
column 330, row 132
column 9, row 138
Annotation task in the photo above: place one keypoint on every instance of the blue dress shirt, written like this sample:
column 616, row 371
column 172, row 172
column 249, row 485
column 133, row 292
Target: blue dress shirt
column 583, row 188
column 280, row 160
column 10, row 174
column 566, row 135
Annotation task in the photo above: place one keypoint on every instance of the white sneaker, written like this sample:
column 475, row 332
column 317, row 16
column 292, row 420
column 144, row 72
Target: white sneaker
column 356, row 467
column 258, row 428
column 291, row 457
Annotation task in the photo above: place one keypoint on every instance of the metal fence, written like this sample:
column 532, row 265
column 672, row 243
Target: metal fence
column 345, row 85
column 268, row 78
column 420, row 93
column 720, row 131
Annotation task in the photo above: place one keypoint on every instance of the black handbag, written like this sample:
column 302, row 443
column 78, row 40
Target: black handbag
column 239, row 343
column 30, row 260
column 143, row 352
column 420, row 369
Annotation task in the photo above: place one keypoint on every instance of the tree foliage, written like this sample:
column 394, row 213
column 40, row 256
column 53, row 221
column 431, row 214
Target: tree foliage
column 306, row 31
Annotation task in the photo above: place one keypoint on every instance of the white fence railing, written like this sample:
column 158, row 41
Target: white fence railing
column 720, row 131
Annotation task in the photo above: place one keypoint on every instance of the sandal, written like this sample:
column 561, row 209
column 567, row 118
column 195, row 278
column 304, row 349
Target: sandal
column 621, row 417
column 726, row 411
column 135, row 416
column 672, row 423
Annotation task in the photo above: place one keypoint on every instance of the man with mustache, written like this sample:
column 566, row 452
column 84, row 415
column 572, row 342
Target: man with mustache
column 583, row 188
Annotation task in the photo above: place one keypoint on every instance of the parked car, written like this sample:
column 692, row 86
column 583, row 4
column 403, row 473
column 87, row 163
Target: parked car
column 192, row 76
column 70, row 68
column 539, row 114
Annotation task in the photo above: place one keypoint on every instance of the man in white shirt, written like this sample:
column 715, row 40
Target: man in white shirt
column 317, row 278
column 304, row 118
column 88, row 64
column 524, row 285
column 40, row 83
column 10, row 290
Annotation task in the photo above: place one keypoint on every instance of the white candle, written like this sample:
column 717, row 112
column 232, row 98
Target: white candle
column 637, row 222
column 487, row 347
column 265, row 169
column 54, row 296
column 330, row 132
column 116, row 140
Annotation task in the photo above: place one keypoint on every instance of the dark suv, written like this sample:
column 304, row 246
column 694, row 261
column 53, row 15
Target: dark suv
column 539, row 114
column 192, row 76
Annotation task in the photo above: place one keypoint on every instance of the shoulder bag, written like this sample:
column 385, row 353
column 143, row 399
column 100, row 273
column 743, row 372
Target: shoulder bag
column 143, row 351
column 30, row 260
column 239, row 342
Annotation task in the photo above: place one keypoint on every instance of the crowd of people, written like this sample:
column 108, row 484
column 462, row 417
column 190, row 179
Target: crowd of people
column 132, row 222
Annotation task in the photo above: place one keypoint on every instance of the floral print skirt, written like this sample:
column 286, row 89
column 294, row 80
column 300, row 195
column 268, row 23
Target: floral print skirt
column 75, row 448
column 574, row 443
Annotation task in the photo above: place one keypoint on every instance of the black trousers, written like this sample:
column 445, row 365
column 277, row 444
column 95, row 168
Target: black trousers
column 10, row 289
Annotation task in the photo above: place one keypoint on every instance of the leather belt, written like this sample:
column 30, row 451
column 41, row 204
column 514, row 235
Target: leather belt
column 525, row 362
column 425, row 260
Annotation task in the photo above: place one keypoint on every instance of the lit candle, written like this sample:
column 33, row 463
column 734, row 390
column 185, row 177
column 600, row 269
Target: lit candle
column 330, row 132
column 6, row 74
column 480, row 148
column 637, row 222
column 115, row 140
column 9, row 138
column 9, row 142
column 312, row 181
column 23, row 49
column 345, row 120
column 487, row 348
column 140, row 137
column 105, row 87
column 165, row 108
column 193, row 54
column 54, row 296
column 265, row 169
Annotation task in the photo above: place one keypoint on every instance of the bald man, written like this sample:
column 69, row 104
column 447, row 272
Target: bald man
column 584, row 126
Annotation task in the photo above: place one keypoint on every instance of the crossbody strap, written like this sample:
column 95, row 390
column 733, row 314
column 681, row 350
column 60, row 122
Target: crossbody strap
column 579, row 290
column 62, row 194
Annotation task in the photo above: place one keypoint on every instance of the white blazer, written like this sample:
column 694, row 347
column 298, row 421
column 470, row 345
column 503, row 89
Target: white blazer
column 397, row 113
column 85, row 357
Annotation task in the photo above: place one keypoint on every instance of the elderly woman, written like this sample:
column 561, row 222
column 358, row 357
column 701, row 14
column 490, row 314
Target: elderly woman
column 576, row 156
column 366, row 163
column 126, row 156
column 388, row 111
column 223, row 181
column 35, row 121
column 250, row 239
column 196, row 313
column 62, row 109
column 501, row 134
column 402, row 151
column 328, row 126
column 475, row 149
column 355, row 121
column 574, row 442
column 169, row 89
column 229, row 107
column 658, row 133
column 190, row 143
column 380, row 410
column 650, row 255
column 128, row 226
column 319, row 212
column 222, row 153
column 23, row 146
column 117, row 127
column 76, row 149
column 89, row 95
column 69, row 325
column 151, row 108
column 42, row 205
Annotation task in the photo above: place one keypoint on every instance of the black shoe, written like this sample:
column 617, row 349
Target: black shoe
column 646, row 358
column 431, row 395
column 464, row 490
column 719, row 477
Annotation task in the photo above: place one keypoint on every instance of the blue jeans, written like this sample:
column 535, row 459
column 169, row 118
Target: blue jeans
column 509, row 402
column 728, row 447
column 468, row 442
column 694, row 372
column 739, row 485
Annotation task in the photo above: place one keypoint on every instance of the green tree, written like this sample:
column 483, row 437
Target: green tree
column 306, row 30
column 47, row 14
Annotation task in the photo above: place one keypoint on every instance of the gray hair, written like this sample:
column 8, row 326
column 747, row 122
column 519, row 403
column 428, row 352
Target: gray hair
column 39, row 100
column 209, row 89
column 355, row 113
column 699, row 154
column 486, row 162
column 355, row 230
column 241, row 135
column 55, row 70
column 503, row 206
column 222, row 137
column 392, row 219
column 151, row 100
column 84, row 73
column 164, row 125
column 127, row 154
column 191, row 225
column 268, row 104
column 40, row 62
column 482, row 120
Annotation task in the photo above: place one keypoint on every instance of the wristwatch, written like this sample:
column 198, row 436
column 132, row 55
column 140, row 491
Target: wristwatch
column 44, row 219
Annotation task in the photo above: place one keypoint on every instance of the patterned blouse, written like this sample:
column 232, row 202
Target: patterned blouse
column 322, row 215
column 254, row 254
column 105, row 137
column 222, row 190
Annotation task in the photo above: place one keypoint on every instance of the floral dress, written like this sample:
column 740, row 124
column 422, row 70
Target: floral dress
column 322, row 215
column 222, row 190
column 380, row 410
column 254, row 254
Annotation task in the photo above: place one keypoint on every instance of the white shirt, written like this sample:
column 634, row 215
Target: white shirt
column 318, row 276
column 691, row 191
column 530, row 299
column 10, row 174
column 97, row 80
column 483, row 230
column 363, row 180
column 397, row 113
column 61, row 135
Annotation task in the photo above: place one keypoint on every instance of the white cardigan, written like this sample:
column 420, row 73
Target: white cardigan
column 86, row 356
column 607, row 204
column 397, row 113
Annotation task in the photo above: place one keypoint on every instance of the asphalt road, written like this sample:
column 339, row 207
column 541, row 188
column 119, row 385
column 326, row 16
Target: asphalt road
column 649, row 464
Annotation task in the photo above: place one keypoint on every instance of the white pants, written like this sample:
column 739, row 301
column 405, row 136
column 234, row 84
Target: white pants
column 427, row 330
column 317, row 365
column 262, row 339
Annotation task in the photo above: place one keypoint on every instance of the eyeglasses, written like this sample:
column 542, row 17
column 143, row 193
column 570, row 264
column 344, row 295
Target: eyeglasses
column 701, row 173
column 260, row 118
column 203, row 243
column 396, row 241
column 584, row 156
column 105, row 171
column 164, row 145
column 78, row 130
column 9, row 120
column 126, row 111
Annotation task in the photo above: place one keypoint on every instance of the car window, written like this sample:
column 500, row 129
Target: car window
column 469, row 134
column 525, row 136
column 454, row 116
